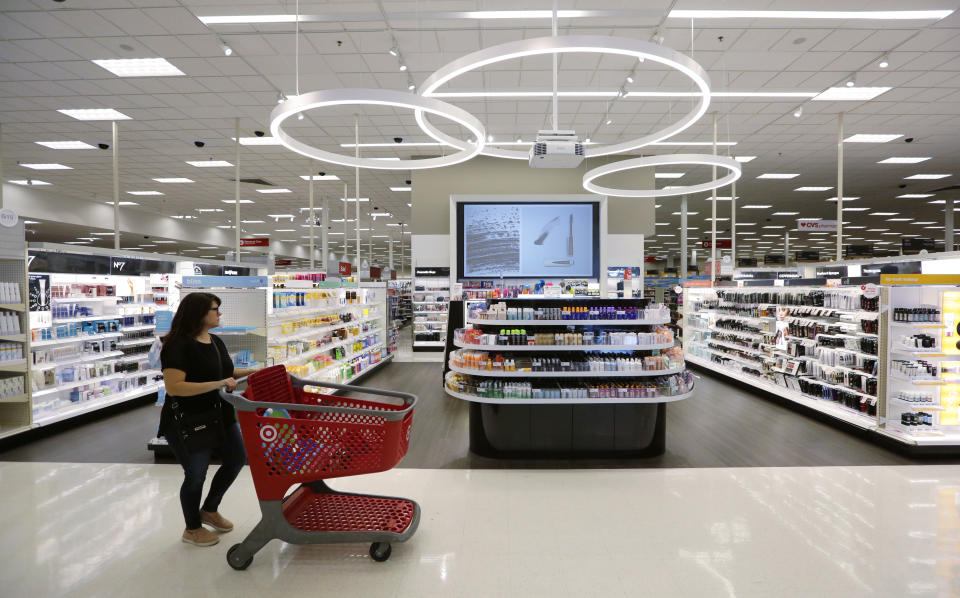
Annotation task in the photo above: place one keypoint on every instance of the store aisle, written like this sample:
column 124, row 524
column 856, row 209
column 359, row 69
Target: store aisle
column 82, row 530
column 722, row 426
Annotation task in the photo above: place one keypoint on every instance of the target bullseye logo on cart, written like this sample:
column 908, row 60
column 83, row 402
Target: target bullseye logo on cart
column 268, row 433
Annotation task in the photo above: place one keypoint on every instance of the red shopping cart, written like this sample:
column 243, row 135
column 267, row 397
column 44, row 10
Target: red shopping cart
column 297, row 437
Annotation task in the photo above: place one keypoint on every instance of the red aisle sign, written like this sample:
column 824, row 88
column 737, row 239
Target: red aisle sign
column 345, row 269
column 260, row 242
column 282, row 262
column 721, row 244
column 375, row 272
column 650, row 258
column 393, row 274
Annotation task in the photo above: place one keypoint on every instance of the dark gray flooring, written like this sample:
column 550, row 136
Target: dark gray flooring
column 723, row 426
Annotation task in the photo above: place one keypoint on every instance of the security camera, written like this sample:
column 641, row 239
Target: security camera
column 398, row 139
column 103, row 146
column 407, row 181
column 908, row 140
column 258, row 133
column 322, row 173
column 146, row 236
column 901, row 186
column 199, row 143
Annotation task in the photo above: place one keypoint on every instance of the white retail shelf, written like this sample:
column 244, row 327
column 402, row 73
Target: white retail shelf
column 650, row 322
column 18, row 338
column 429, row 302
column 279, row 316
column 77, row 384
column 13, row 306
column 138, row 328
column 334, row 391
column 417, row 343
column 82, row 359
column 735, row 316
column 859, row 420
column 511, row 401
column 920, row 382
column 842, row 387
column 565, row 347
column 147, row 340
column 95, row 404
column 5, row 432
column 931, row 438
column 736, row 347
column 916, row 404
column 339, row 362
column 73, row 339
column 134, row 357
column 588, row 374
column 14, row 365
column 86, row 319
column 83, row 299
column 751, row 364
column 327, row 347
column 21, row 398
column 320, row 329
column 930, row 325
column 750, row 335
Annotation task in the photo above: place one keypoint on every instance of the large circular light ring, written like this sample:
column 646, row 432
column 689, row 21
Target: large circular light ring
column 665, row 160
column 566, row 44
column 376, row 97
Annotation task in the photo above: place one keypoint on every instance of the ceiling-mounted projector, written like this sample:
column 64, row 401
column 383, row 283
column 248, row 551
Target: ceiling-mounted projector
column 556, row 149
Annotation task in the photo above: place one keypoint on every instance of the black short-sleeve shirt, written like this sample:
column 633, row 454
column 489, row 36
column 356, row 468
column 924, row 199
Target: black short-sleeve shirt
column 200, row 362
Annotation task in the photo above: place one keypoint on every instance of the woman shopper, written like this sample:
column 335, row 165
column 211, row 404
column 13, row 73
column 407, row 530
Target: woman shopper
column 194, row 419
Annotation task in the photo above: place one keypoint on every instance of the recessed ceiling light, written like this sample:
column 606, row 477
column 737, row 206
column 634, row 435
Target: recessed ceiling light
column 285, row 230
column 930, row 222
column 102, row 234
column 810, row 219
column 755, row 207
column 851, row 94
column 813, row 188
column 281, row 190
column 785, row 213
column 209, row 163
column 744, row 159
column 123, row 203
column 140, row 67
column 234, row 201
column 891, row 234
column 49, row 166
column 871, row 138
column 916, row 160
column 668, row 175
column 65, row 145
column 76, row 242
column 718, row 219
column 921, row 177
column 164, row 242
column 884, row 213
column 94, row 114
column 278, row 216
column 144, row 193
column 777, row 175
column 772, row 226
column 28, row 182
column 261, row 234
column 207, row 247
column 746, row 224
column 362, row 199
column 899, row 219
column 688, row 213
column 173, row 180
column 316, row 177
column 855, row 209
column 252, row 222
column 257, row 140
column 224, row 226
column 845, row 198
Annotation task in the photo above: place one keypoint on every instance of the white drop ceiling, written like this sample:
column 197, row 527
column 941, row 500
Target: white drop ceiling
column 46, row 49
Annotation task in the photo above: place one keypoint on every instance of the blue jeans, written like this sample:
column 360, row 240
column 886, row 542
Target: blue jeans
column 195, row 473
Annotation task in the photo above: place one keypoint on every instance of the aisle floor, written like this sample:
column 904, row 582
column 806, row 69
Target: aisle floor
column 82, row 530
column 723, row 425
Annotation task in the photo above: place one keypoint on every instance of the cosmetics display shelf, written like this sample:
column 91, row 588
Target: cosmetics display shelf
column 613, row 323
column 311, row 332
column 8, row 431
column 536, row 402
column 81, row 359
column 14, row 365
column 339, row 363
column 431, row 343
column 589, row 374
column 550, row 348
column 76, row 384
column 139, row 328
column 94, row 404
column 304, row 357
column 430, row 327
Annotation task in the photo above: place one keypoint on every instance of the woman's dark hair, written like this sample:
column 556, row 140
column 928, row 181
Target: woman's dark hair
column 188, row 321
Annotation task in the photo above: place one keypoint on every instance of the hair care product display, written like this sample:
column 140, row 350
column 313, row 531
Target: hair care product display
column 650, row 388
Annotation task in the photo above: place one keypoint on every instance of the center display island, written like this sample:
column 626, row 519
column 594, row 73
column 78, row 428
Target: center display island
column 565, row 377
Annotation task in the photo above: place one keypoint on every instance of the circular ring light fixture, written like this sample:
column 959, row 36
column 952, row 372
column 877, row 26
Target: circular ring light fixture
column 376, row 97
column 665, row 160
column 572, row 44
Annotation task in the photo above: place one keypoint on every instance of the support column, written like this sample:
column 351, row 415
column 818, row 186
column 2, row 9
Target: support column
column 116, row 186
column 840, row 187
column 1, row 166
column 683, row 237
column 324, row 232
column 390, row 252
column 948, row 225
column 236, row 189
column 733, row 223
column 356, row 185
column 786, row 248
column 313, row 247
column 713, row 221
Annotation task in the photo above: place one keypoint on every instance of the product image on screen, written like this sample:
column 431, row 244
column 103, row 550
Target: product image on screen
column 528, row 240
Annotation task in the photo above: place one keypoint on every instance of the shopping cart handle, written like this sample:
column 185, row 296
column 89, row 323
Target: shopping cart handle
column 241, row 403
column 408, row 399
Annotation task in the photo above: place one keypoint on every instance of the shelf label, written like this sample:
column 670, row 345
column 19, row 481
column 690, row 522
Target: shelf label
column 952, row 279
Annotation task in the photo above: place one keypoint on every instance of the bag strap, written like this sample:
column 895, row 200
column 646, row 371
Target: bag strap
column 214, row 340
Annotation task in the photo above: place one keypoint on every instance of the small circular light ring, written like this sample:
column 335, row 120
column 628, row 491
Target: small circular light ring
column 571, row 44
column 376, row 97
column 665, row 160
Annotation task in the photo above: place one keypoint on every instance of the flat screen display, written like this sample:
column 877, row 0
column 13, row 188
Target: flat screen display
column 528, row 240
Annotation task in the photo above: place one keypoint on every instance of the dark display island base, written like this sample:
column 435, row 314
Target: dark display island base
column 568, row 431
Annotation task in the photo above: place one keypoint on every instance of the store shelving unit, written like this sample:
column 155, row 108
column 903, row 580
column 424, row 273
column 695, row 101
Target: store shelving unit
column 16, row 415
column 521, row 409
column 430, row 302
column 810, row 345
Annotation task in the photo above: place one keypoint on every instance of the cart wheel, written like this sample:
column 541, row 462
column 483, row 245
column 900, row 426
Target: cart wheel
column 234, row 560
column 380, row 551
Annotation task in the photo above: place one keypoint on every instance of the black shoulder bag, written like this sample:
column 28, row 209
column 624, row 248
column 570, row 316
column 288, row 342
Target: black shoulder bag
column 202, row 430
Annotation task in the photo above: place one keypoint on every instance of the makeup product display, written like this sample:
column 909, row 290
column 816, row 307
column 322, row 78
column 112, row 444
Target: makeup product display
column 524, row 363
column 430, row 304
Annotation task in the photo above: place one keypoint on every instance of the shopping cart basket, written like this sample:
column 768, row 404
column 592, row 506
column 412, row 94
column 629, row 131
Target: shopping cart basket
column 297, row 437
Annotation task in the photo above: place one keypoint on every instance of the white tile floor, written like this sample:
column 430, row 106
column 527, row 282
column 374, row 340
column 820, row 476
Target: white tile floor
column 113, row 530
